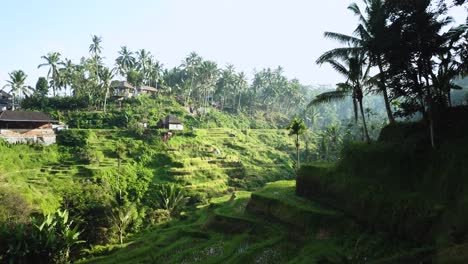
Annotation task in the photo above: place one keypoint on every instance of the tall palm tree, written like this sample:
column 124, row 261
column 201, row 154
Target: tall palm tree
column 125, row 62
column 17, row 85
column 357, row 80
column 241, row 84
column 369, row 38
column 95, row 47
column 190, row 64
column 106, row 79
column 297, row 128
column 154, row 73
column 144, row 60
column 52, row 61
column 67, row 72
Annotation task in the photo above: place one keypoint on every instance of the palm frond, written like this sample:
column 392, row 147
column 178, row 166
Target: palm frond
column 338, row 53
column 327, row 97
column 342, row 38
column 339, row 67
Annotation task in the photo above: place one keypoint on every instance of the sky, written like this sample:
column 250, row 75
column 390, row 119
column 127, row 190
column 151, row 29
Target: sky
column 250, row 34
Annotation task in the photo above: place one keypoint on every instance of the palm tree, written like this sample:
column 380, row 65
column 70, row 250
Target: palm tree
column 369, row 38
column 106, row 79
column 357, row 80
column 297, row 128
column 207, row 74
column 17, row 85
column 95, row 47
column 67, row 73
column 241, row 84
column 52, row 60
column 191, row 63
column 125, row 62
column 144, row 60
column 154, row 73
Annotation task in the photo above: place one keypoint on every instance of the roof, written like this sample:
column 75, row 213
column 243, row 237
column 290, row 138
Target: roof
column 122, row 85
column 148, row 88
column 170, row 119
column 4, row 94
column 20, row 116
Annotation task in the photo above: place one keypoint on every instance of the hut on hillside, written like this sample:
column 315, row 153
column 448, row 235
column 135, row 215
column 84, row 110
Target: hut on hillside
column 26, row 127
column 147, row 90
column 170, row 122
column 122, row 89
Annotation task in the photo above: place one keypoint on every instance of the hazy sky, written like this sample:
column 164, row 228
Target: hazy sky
column 247, row 33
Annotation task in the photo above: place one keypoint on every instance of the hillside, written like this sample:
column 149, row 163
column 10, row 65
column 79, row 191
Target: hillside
column 269, row 226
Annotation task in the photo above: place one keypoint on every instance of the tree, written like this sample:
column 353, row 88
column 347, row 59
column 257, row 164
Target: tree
column 52, row 61
column 106, row 79
column 122, row 217
column 125, row 62
column 67, row 73
column 17, row 85
column 95, row 47
column 357, row 79
column 297, row 128
column 42, row 87
column 370, row 39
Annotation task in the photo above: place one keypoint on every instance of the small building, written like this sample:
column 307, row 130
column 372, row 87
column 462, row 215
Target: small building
column 170, row 122
column 26, row 127
column 122, row 89
column 6, row 101
column 151, row 91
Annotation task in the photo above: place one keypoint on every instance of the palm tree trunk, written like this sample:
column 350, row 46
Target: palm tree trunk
column 105, row 98
column 383, row 88
column 238, row 104
column 366, row 133
column 297, row 152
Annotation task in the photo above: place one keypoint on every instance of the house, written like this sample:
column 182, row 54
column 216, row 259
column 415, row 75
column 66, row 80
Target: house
column 170, row 122
column 122, row 89
column 26, row 127
column 6, row 101
column 147, row 90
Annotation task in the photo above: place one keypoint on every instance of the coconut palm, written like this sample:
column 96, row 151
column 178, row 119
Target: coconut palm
column 356, row 81
column 52, row 61
column 125, row 62
column 369, row 38
column 190, row 64
column 241, row 84
column 95, row 47
column 154, row 73
column 67, row 73
column 144, row 60
column 297, row 128
column 106, row 79
column 17, row 85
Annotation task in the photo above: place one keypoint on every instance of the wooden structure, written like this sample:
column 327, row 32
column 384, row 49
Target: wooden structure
column 122, row 89
column 6, row 101
column 26, row 127
column 147, row 90
column 170, row 122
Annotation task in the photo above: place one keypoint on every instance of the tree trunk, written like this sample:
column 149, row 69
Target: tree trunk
column 120, row 237
column 297, row 152
column 238, row 104
column 366, row 133
column 383, row 87
column 105, row 98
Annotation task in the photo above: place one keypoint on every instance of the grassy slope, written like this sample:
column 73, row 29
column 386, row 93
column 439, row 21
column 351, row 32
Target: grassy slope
column 402, row 186
column 229, row 231
column 41, row 174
